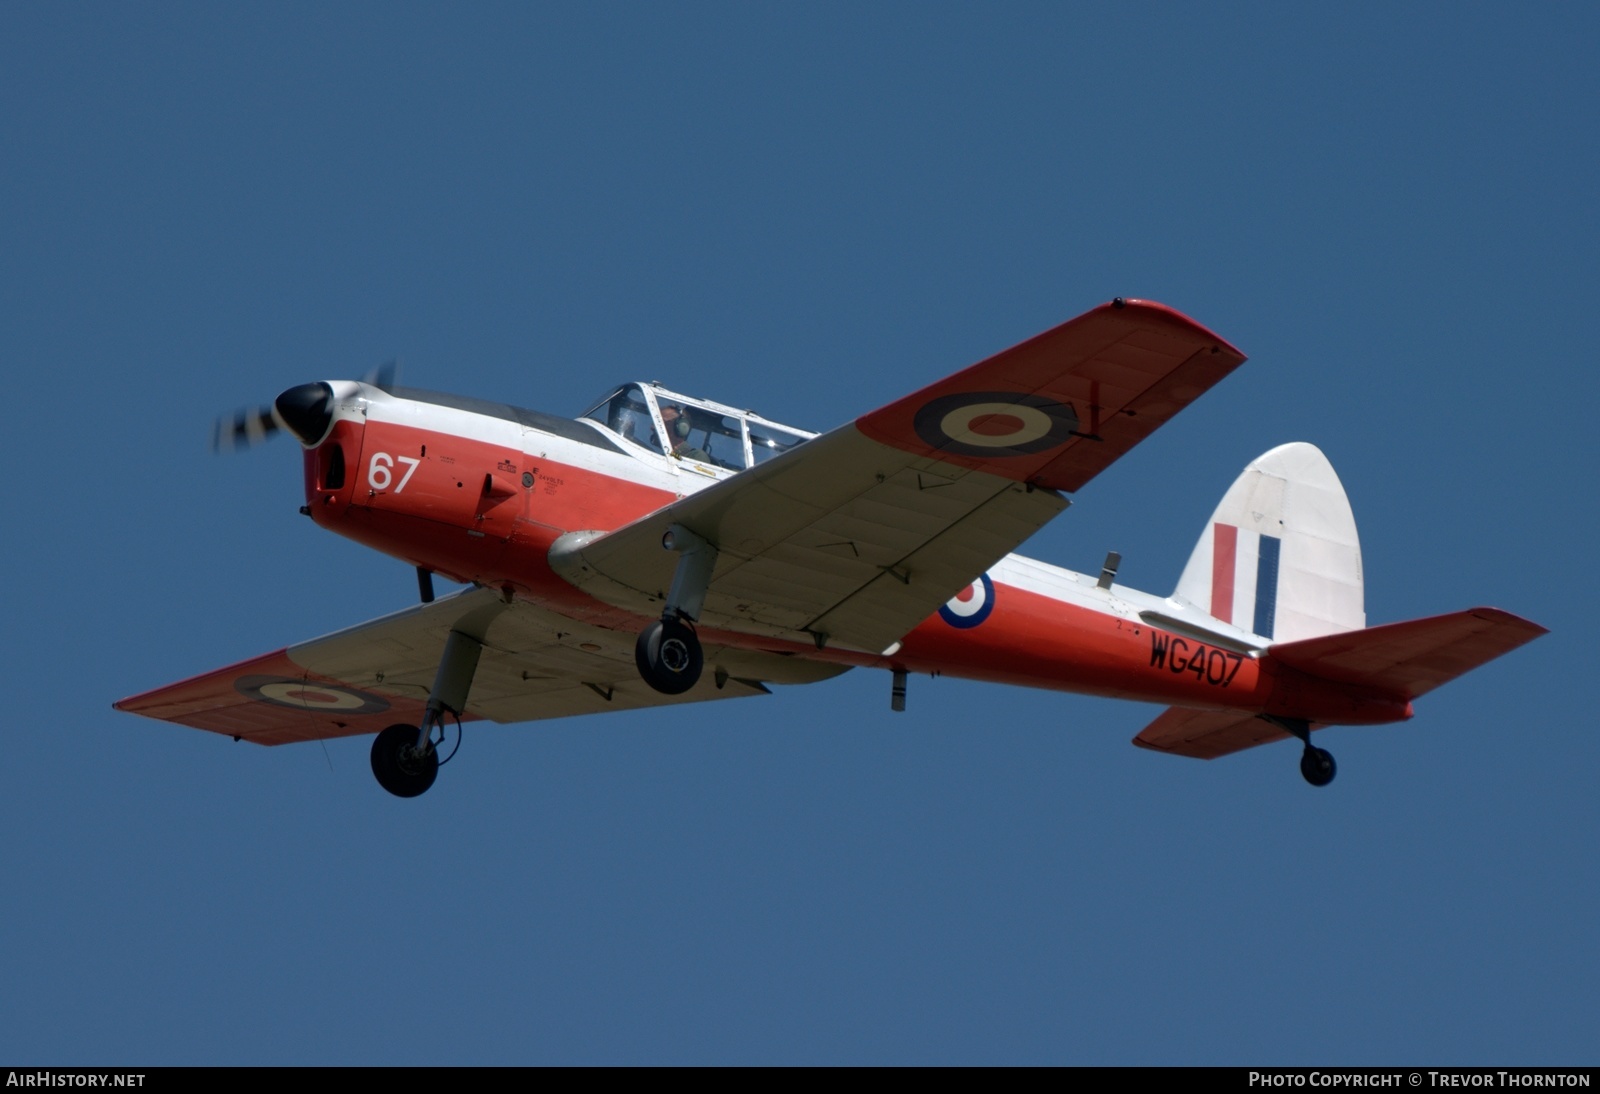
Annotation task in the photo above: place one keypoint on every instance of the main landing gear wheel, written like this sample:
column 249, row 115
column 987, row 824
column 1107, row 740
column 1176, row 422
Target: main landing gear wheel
column 400, row 768
column 1317, row 765
column 669, row 657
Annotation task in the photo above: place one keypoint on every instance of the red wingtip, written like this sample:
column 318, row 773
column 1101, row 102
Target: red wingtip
column 1173, row 316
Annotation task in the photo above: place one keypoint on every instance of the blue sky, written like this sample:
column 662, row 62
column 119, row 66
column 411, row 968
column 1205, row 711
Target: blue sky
column 807, row 210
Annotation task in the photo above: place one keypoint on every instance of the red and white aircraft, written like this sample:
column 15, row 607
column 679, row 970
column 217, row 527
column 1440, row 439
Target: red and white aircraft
column 664, row 549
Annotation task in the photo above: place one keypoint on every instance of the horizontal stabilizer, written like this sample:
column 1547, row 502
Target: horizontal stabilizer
column 1411, row 658
column 1207, row 734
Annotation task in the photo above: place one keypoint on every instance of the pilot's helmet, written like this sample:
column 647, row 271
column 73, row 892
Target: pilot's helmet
column 676, row 421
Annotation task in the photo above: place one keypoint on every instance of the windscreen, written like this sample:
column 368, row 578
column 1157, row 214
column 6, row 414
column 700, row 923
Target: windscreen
column 627, row 414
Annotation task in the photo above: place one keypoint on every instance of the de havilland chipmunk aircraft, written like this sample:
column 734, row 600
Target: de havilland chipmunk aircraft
column 665, row 549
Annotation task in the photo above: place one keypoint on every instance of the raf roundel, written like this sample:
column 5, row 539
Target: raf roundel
column 286, row 691
column 971, row 605
column 995, row 423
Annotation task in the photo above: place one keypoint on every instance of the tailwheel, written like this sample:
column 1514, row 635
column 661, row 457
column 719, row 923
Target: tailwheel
column 401, row 768
column 669, row 656
column 1317, row 765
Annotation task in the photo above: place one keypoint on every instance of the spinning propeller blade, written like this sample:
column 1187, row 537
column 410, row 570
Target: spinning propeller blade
column 383, row 376
column 245, row 428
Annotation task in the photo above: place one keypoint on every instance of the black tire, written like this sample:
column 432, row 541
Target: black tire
column 669, row 657
column 398, row 767
column 1317, row 765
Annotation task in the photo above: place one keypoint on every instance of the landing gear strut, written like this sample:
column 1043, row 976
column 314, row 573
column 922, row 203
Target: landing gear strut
column 668, row 651
column 404, row 758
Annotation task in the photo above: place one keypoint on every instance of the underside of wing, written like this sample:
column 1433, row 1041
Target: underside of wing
column 854, row 538
column 841, row 540
column 535, row 665
column 272, row 700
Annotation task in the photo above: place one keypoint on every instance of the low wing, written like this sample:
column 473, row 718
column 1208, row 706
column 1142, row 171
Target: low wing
column 535, row 664
column 857, row 536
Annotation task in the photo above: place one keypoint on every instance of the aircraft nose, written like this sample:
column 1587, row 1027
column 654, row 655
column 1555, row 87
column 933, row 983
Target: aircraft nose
column 307, row 412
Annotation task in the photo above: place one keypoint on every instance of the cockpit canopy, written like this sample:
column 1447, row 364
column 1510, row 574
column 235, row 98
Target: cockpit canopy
column 669, row 424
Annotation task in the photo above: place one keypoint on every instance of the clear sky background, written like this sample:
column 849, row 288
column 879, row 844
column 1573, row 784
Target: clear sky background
column 808, row 210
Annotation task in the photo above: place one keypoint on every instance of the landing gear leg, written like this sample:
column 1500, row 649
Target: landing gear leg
column 668, row 651
column 405, row 759
column 1316, row 764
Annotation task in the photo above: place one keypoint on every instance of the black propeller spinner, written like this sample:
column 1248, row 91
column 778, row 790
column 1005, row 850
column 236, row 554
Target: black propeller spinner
column 305, row 410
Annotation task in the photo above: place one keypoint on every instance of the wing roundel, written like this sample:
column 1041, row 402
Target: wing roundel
column 1061, row 407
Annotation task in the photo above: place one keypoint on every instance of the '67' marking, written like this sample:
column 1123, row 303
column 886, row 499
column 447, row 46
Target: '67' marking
column 1179, row 655
column 380, row 472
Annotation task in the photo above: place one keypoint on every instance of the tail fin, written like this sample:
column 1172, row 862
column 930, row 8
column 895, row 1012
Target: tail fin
column 1280, row 557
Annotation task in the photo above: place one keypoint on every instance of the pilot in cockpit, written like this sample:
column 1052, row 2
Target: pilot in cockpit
column 676, row 420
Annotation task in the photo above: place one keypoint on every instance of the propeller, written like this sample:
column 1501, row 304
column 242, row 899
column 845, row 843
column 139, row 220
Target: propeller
column 383, row 376
column 305, row 410
column 245, row 429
